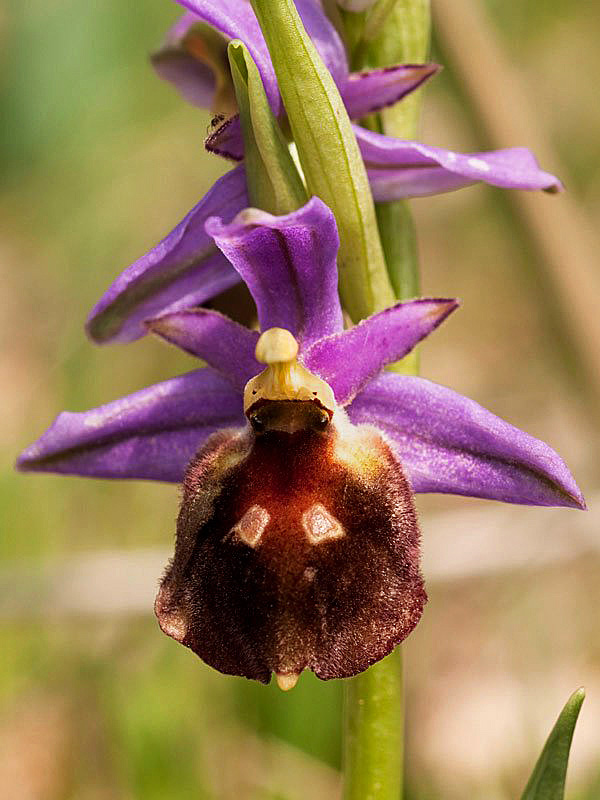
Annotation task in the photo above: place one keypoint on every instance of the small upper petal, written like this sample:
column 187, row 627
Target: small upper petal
column 348, row 360
column 224, row 344
column 449, row 443
column 182, row 270
column 374, row 89
column 152, row 434
column 227, row 139
column 289, row 265
column 399, row 168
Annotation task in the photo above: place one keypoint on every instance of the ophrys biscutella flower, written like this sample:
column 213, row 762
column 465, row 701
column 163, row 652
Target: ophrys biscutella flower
column 194, row 59
column 297, row 542
column 185, row 268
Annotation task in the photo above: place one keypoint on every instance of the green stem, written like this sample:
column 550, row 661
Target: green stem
column 374, row 700
column 374, row 732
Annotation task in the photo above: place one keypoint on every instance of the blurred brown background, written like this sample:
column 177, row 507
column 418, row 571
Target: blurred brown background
column 99, row 160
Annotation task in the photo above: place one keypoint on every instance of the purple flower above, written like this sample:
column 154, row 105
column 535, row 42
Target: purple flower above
column 297, row 539
column 185, row 58
column 185, row 268
column 397, row 168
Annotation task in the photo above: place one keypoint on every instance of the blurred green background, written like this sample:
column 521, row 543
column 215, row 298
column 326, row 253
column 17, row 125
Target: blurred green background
column 99, row 160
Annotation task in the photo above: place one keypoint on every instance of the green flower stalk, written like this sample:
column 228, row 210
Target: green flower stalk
column 297, row 540
column 394, row 31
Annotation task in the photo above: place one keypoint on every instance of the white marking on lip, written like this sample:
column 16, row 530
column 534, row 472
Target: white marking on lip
column 252, row 526
column 320, row 525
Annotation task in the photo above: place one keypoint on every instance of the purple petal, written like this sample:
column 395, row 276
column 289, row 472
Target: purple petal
column 373, row 89
column 195, row 80
column 183, row 270
column 224, row 344
column 227, row 139
column 235, row 19
column 399, row 168
column 451, row 444
column 289, row 265
column 348, row 360
column 151, row 434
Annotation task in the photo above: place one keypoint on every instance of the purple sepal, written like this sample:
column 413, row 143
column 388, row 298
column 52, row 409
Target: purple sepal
column 374, row 89
column 152, row 434
column 348, row 360
column 224, row 344
column 450, row 444
column 193, row 79
column 399, row 168
column 289, row 265
column 183, row 270
column 235, row 19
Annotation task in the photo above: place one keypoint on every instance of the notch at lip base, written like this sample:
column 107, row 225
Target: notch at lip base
column 289, row 416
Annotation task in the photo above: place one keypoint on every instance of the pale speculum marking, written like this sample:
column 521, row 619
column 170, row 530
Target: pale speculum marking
column 252, row 526
column 321, row 526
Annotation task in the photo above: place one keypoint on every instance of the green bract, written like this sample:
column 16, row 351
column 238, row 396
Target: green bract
column 329, row 155
column 274, row 184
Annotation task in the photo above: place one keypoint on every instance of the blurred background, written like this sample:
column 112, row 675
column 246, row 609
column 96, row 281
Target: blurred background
column 99, row 160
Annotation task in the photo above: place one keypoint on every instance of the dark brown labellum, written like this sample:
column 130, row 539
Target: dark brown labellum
column 297, row 547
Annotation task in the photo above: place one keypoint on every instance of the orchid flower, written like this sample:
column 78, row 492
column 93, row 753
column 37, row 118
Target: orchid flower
column 397, row 168
column 297, row 540
column 186, row 268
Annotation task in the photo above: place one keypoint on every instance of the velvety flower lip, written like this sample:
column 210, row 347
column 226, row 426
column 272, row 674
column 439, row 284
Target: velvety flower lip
column 446, row 442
